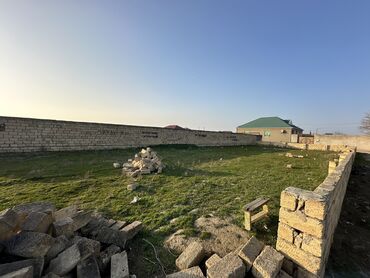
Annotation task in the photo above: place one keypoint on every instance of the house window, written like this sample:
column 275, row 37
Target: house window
column 2, row 127
column 267, row 133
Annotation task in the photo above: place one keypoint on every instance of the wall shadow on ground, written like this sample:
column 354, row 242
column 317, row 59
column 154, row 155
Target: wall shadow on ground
column 349, row 254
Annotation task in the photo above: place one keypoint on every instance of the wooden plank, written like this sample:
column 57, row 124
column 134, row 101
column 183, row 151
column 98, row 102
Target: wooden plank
column 247, row 206
column 258, row 216
column 247, row 220
column 256, row 204
column 265, row 208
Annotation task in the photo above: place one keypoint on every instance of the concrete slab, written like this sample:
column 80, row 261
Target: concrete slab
column 192, row 256
column 230, row 266
column 119, row 266
column 268, row 263
column 29, row 244
column 88, row 268
column 250, row 251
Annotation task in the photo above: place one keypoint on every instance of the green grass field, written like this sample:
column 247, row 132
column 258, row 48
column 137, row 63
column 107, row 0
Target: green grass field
column 218, row 180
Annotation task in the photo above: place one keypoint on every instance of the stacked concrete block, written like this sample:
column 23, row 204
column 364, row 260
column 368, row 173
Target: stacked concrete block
column 268, row 263
column 60, row 244
column 332, row 166
column 80, row 219
column 63, row 213
column 317, row 146
column 250, row 251
column 63, row 227
column 144, row 162
column 65, row 261
column 26, row 272
column 37, row 222
column 192, row 256
column 119, row 265
column 108, row 235
column 105, row 256
column 251, row 259
column 193, row 272
column 307, row 219
column 29, row 244
column 10, row 222
column 230, row 266
column 37, row 264
column 87, row 246
column 132, row 229
column 119, row 225
column 38, row 240
column 88, row 268
column 214, row 259
column 299, row 146
column 344, row 148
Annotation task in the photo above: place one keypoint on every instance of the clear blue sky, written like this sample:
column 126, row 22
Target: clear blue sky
column 196, row 63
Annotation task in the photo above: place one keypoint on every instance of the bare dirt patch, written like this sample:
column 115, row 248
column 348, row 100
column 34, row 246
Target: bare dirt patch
column 217, row 236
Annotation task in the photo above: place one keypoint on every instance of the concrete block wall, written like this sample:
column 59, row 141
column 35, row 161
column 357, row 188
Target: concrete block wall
column 29, row 135
column 362, row 143
column 310, row 147
column 306, row 139
column 307, row 220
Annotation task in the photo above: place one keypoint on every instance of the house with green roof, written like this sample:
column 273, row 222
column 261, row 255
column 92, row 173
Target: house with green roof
column 272, row 129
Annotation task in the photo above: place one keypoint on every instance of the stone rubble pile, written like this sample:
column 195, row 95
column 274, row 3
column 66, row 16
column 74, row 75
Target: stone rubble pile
column 253, row 259
column 144, row 162
column 36, row 240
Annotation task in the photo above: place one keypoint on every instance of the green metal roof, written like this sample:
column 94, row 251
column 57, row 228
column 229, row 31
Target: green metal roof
column 269, row 122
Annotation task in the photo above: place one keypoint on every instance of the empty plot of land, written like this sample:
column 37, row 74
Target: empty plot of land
column 196, row 182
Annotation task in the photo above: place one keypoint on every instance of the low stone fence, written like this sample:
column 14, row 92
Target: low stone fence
column 307, row 219
column 306, row 139
column 29, row 135
column 362, row 142
column 309, row 147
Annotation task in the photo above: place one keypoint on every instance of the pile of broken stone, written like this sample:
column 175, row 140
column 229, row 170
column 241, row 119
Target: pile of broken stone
column 37, row 240
column 253, row 259
column 145, row 162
